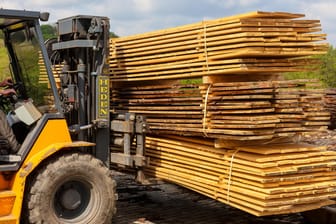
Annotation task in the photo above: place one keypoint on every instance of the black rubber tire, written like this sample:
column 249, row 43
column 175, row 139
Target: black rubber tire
column 73, row 174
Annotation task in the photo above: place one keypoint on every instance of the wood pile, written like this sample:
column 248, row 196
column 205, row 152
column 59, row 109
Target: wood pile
column 230, row 110
column 232, row 135
column 264, row 110
column 330, row 105
column 261, row 180
column 174, row 109
column 252, row 44
column 43, row 76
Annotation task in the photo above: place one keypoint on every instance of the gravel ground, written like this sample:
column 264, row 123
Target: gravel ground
column 170, row 204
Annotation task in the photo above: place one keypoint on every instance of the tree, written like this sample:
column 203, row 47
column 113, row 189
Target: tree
column 324, row 70
column 48, row 31
column 113, row 35
column 328, row 68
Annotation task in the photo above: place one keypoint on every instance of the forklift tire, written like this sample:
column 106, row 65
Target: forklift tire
column 73, row 188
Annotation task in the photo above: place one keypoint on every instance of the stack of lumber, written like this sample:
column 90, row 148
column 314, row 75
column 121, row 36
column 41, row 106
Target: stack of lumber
column 171, row 109
column 254, row 43
column 43, row 76
column 330, row 105
column 228, row 110
column 265, row 109
column 317, row 117
column 231, row 135
column 262, row 180
column 240, row 107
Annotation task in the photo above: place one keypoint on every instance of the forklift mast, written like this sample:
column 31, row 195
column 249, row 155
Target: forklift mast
column 82, row 47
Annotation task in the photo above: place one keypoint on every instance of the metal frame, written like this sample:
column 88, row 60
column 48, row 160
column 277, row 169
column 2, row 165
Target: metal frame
column 73, row 42
column 20, row 14
column 126, row 127
column 30, row 141
column 35, row 16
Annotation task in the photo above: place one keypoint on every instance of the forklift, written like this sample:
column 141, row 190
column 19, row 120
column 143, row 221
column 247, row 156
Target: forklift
column 62, row 171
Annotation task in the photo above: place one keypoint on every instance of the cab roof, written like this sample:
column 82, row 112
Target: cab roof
column 10, row 17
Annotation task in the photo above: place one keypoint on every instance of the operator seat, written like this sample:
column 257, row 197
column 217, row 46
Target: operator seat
column 4, row 146
column 5, row 152
column 11, row 159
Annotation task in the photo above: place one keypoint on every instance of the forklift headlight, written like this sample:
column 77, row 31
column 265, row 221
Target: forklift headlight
column 44, row 16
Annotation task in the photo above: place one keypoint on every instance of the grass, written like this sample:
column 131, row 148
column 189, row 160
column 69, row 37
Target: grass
column 4, row 62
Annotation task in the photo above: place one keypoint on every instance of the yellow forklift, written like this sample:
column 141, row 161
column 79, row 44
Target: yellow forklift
column 61, row 173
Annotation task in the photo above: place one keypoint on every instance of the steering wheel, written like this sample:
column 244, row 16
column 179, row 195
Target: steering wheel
column 7, row 102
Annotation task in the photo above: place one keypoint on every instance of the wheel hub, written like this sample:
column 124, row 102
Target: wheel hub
column 71, row 199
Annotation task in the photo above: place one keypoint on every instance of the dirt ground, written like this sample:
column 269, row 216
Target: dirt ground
column 170, row 204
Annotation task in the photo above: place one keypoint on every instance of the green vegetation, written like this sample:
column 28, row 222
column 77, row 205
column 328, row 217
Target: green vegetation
column 328, row 68
column 113, row 35
column 324, row 71
column 4, row 65
column 28, row 56
column 27, row 53
column 191, row 81
column 48, row 31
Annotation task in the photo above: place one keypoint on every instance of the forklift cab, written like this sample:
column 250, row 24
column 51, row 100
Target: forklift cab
column 47, row 180
column 21, row 39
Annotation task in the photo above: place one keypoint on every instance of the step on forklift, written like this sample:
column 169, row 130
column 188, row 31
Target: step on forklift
column 62, row 171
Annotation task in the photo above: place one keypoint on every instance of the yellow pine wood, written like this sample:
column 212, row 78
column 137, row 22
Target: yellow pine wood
column 241, row 126
column 242, row 111
column 288, row 185
column 216, row 21
column 282, row 180
column 259, row 158
column 210, row 41
column 310, row 186
column 273, row 185
column 281, row 148
column 229, row 144
column 280, row 164
column 284, row 197
column 200, row 187
column 283, row 165
column 238, row 105
column 215, row 40
column 225, row 109
column 186, row 33
column 205, row 147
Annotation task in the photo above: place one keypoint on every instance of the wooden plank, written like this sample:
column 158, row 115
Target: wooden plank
column 281, row 148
